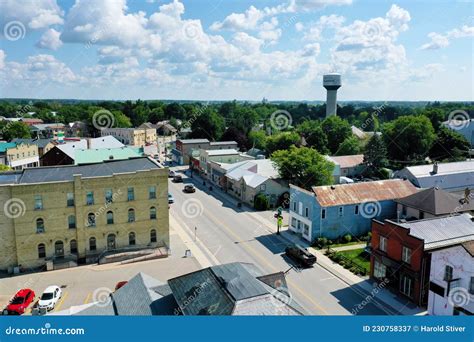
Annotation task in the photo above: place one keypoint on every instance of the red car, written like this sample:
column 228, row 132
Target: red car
column 20, row 302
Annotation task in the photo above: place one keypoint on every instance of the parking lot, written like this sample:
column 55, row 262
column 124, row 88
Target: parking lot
column 82, row 285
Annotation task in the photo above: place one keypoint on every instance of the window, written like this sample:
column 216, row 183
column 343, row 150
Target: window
column 448, row 273
column 152, row 192
column 38, row 202
column 422, row 215
column 91, row 219
column 40, row 225
column 130, row 194
column 131, row 239
column 73, row 246
column 356, row 209
column 341, row 211
column 152, row 213
column 131, row 215
column 153, row 235
column 471, row 286
column 406, row 286
column 383, row 243
column 305, row 229
column 306, row 212
column 323, row 214
column 108, row 195
column 71, row 222
column 406, row 254
column 294, row 206
column 380, row 270
column 70, row 199
column 294, row 222
column 92, row 244
column 89, row 198
column 41, row 251
column 110, row 217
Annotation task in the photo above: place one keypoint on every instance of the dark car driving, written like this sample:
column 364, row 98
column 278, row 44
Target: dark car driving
column 301, row 255
column 189, row 188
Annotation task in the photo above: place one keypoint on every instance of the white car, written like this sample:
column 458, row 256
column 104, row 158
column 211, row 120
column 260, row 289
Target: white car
column 49, row 298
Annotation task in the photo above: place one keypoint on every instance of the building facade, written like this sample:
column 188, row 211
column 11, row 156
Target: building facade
column 19, row 155
column 139, row 137
column 74, row 213
column 452, row 281
column 337, row 210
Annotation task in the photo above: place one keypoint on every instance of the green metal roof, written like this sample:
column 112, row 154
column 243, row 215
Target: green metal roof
column 99, row 155
column 5, row 145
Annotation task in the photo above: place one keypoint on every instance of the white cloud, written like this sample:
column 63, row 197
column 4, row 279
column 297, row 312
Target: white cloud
column 438, row 41
column 50, row 40
column 32, row 14
column 311, row 5
column 326, row 22
column 2, row 59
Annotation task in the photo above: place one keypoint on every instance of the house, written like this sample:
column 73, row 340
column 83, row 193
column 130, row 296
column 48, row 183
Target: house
column 463, row 127
column 451, row 288
column 138, row 137
column 76, row 129
column 186, row 149
column 65, row 154
column 401, row 252
column 434, row 202
column 18, row 155
column 44, row 145
column 71, row 214
column 234, row 289
column 452, row 177
column 228, row 156
column 31, row 122
column 247, row 179
column 346, row 166
column 163, row 128
column 336, row 210
column 52, row 130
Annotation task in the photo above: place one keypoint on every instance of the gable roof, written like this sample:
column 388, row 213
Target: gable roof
column 437, row 202
column 343, row 194
column 41, row 143
column 443, row 231
column 347, row 161
column 4, row 146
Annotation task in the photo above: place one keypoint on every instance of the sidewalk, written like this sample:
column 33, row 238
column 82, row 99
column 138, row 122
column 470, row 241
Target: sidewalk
column 369, row 289
column 349, row 247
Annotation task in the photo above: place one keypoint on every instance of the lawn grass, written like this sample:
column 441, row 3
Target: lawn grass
column 357, row 255
column 357, row 242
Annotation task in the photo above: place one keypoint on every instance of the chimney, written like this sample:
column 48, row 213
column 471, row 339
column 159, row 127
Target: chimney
column 435, row 168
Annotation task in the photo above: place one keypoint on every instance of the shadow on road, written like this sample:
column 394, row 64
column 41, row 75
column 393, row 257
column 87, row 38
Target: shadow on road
column 272, row 242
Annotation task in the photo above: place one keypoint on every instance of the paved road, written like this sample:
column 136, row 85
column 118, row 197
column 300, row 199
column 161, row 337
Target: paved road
column 227, row 234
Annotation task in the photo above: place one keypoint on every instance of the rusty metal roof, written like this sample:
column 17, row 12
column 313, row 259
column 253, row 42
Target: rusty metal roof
column 343, row 194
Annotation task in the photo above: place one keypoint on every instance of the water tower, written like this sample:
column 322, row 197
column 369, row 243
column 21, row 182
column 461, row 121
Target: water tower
column 332, row 82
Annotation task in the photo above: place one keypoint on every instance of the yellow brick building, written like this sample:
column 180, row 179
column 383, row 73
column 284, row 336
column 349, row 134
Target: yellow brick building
column 132, row 136
column 77, row 212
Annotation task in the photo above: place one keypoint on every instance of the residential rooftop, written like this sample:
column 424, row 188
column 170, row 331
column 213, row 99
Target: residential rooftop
column 193, row 141
column 347, row 161
column 224, row 152
column 217, row 143
column 443, row 169
column 41, row 143
column 86, row 156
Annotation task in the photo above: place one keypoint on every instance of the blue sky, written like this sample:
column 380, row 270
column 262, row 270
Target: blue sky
column 229, row 49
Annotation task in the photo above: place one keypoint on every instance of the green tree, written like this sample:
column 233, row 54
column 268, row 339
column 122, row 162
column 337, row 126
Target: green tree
column 368, row 122
column 449, row 146
column 375, row 156
column 349, row 146
column 258, row 139
column 14, row 129
column 435, row 115
column 303, row 166
column 156, row 114
column 314, row 135
column 282, row 141
column 4, row 168
column 208, row 124
column 234, row 134
column 261, row 202
column 408, row 138
column 337, row 130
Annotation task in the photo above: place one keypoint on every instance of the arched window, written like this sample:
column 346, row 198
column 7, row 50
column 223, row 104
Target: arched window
column 40, row 225
column 92, row 244
column 91, row 219
column 131, row 239
column 152, row 213
column 41, row 251
column 153, row 235
column 131, row 215
column 71, row 221
column 73, row 246
column 110, row 217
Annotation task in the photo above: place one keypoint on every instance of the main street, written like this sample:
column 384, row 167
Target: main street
column 225, row 233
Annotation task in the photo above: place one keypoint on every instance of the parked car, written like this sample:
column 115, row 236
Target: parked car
column 120, row 284
column 301, row 255
column 50, row 298
column 171, row 174
column 189, row 188
column 20, row 302
column 178, row 179
column 170, row 198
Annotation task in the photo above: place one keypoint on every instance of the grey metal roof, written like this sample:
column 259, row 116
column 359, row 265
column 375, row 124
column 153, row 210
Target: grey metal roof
column 66, row 173
column 194, row 141
column 443, row 231
column 217, row 143
column 41, row 143
column 97, row 309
